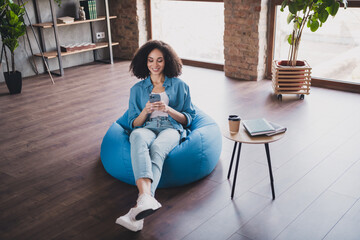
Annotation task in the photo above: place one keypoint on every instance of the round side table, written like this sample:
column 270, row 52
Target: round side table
column 243, row 137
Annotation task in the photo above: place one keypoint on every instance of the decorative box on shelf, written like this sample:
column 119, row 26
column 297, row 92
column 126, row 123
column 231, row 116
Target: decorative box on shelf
column 65, row 20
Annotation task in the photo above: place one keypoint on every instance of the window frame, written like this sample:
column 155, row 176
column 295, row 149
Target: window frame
column 194, row 63
column 317, row 82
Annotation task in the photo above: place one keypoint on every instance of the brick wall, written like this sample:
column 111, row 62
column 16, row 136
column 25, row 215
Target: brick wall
column 245, row 39
column 124, row 29
column 130, row 28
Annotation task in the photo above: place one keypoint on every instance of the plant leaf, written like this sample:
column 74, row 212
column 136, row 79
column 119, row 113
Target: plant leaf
column 323, row 15
column 290, row 39
column 333, row 9
column 13, row 18
column 328, row 2
column 290, row 17
column 300, row 4
column 314, row 25
column 293, row 7
column 283, row 5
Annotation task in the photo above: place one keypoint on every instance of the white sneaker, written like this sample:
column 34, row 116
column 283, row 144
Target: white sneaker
column 146, row 205
column 128, row 221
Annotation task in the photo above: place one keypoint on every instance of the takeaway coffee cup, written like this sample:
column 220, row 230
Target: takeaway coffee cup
column 234, row 123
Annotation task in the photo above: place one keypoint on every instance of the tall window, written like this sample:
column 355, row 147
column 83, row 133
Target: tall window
column 333, row 51
column 194, row 29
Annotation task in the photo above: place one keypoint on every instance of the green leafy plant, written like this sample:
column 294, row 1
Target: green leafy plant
column 309, row 13
column 2, row 7
column 12, row 27
column 58, row 2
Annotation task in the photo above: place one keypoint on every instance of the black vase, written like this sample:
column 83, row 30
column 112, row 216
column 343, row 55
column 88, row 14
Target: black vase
column 13, row 81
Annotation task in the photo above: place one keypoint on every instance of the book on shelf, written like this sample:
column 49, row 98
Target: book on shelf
column 260, row 126
column 91, row 10
column 65, row 20
column 95, row 12
column 278, row 129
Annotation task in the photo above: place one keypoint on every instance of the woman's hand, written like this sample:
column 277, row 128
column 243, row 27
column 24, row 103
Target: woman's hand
column 160, row 106
column 177, row 116
column 149, row 108
column 139, row 121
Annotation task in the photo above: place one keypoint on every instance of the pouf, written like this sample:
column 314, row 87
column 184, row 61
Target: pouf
column 193, row 159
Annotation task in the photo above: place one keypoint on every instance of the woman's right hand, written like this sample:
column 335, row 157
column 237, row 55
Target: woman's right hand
column 140, row 120
column 148, row 108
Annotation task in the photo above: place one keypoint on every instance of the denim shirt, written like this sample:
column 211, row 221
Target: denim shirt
column 179, row 99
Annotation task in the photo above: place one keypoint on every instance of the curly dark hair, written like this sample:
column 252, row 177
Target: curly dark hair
column 173, row 64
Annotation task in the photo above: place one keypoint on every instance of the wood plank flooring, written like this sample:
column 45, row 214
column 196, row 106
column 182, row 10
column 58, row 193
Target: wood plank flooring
column 53, row 185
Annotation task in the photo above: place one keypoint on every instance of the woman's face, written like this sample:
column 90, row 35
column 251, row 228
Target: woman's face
column 156, row 62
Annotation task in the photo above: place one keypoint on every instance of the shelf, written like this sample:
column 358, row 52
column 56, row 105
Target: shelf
column 53, row 54
column 50, row 24
column 108, row 45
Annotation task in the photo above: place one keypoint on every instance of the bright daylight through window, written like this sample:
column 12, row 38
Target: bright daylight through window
column 194, row 29
column 333, row 51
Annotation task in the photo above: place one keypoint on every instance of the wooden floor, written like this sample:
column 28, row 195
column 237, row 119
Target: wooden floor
column 53, row 185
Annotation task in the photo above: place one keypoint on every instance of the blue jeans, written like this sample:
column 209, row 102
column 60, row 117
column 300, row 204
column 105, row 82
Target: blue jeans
column 150, row 146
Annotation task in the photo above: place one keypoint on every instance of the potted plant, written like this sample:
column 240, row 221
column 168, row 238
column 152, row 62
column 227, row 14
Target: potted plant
column 292, row 75
column 12, row 27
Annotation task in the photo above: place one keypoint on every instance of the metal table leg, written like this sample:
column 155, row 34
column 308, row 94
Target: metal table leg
column 270, row 169
column 236, row 169
column 232, row 159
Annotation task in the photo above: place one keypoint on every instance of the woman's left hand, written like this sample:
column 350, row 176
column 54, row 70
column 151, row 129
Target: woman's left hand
column 177, row 116
column 161, row 106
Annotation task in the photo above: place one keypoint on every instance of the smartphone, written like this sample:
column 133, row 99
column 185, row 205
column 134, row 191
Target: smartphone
column 154, row 97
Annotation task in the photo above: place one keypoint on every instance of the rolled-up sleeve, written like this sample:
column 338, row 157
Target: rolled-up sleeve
column 188, row 107
column 134, row 110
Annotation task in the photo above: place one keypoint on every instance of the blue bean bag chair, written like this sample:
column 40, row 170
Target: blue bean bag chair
column 193, row 159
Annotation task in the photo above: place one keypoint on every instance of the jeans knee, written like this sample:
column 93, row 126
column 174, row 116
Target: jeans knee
column 155, row 149
column 136, row 135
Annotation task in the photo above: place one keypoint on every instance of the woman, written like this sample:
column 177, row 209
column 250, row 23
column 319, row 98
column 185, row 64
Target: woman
column 157, row 125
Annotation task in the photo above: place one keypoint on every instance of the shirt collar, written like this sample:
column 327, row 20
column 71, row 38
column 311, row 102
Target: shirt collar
column 147, row 82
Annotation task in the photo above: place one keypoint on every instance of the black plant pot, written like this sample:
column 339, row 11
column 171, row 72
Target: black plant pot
column 13, row 81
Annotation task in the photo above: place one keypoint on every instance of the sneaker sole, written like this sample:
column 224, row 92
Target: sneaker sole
column 127, row 225
column 144, row 214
